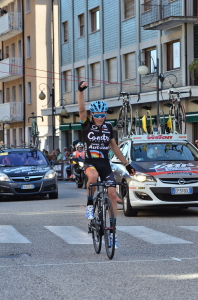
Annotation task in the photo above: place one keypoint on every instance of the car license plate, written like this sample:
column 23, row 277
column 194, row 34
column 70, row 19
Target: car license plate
column 181, row 191
column 27, row 186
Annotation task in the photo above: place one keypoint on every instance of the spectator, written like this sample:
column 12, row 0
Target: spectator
column 196, row 143
column 59, row 154
column 7, row 55
column 52, row 157
column 3, row 11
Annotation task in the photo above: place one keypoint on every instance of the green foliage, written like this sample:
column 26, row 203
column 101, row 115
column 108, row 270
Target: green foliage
column 193, row 68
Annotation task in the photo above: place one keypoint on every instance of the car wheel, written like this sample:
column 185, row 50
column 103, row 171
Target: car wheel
column 127, row 208
column 53, row 195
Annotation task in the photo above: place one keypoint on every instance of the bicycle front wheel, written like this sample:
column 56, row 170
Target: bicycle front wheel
column 97, row 227
column 182, row 119
column 129, row 121
column 109, row 228
column 120, row 123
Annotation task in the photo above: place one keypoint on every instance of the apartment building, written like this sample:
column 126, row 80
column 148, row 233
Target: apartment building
column 105, row 42
column 29, row 62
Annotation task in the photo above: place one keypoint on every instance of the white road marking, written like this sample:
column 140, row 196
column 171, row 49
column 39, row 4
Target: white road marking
column 151, row 236
column 71, row 234
column 8, row 234
column 193, row 228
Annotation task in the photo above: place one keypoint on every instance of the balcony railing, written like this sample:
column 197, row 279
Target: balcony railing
column 11, row 112
column 165, row 16
column 11, row 68
column 10, row 25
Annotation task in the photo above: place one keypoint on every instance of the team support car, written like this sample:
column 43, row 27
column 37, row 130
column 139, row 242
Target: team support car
column 167, row 172
column 25, row 172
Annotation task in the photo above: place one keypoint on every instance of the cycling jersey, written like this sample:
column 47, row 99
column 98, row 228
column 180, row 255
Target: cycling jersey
column 96, row 139
column 78, row 154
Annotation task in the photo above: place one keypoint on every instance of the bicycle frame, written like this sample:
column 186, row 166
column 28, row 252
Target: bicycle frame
column 34, row 129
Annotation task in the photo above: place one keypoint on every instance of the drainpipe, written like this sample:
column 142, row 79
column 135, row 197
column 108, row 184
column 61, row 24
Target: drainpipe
column 23, row 53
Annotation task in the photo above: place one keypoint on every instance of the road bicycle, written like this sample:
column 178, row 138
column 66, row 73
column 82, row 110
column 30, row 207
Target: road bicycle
column 177, row 111
column 103, row 222
column 34, row 130
column 124, row 122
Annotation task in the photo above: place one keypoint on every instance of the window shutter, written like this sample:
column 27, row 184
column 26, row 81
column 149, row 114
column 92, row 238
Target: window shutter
column 129, row 8
column 130, row 66
column 96, row 74
column 112, row 70
column 81, row 74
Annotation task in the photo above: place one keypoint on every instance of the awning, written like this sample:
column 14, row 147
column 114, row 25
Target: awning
column 192, row 116
column 65, row 126
column 76, row 126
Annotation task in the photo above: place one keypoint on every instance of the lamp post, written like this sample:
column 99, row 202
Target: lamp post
column 143, row 70
column 42, row 96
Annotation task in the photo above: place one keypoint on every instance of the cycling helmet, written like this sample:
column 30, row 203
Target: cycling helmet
column 75, row 142
column 98, row 106
column 79, row 145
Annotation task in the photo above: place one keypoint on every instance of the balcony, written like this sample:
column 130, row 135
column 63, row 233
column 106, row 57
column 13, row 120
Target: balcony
column 10, row 69
column 10, row 25
column 163, row 17
column 11, row 112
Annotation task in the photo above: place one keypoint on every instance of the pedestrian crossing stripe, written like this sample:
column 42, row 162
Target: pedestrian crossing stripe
column 74, row 235
column 8, row 234
column 151, row 236
column 71, row 234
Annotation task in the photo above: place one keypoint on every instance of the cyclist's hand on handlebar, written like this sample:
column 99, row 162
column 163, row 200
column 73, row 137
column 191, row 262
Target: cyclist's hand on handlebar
column 130, row 169
column 82, row 86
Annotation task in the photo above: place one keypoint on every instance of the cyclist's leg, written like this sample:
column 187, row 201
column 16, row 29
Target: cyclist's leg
column 114, row 198
column 92, row 176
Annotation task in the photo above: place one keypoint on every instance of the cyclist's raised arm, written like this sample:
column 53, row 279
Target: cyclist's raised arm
column 81, row 101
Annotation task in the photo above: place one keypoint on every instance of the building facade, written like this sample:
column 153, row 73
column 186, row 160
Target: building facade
column 104, row 43
column 29, row 62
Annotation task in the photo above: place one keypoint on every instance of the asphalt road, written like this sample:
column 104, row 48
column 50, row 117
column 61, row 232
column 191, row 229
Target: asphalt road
column 46, row 253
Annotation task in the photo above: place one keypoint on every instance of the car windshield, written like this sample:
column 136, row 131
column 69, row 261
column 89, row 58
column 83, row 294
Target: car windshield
column 164, row 152
column 20, row 158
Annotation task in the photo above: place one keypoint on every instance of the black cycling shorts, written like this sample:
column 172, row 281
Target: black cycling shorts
column 102, row 166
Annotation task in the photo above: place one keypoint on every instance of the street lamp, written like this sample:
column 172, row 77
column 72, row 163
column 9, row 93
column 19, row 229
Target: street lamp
column 42, row 96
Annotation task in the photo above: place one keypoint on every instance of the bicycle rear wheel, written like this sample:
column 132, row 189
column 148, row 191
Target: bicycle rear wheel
column 97, row 227
column 129, row 120
column 109, row 228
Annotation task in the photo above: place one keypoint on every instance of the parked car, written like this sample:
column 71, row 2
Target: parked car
column 167, row 172
column 25, row 172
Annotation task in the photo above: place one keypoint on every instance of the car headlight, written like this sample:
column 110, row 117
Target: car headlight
column 81, row 164
column 4, row 177
column 50, row 174
column 141, row 177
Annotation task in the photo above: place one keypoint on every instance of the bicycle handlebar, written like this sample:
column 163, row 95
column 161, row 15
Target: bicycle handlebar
column 35, row 117
column 129, row 94
column 182, row 92
column 106, row 184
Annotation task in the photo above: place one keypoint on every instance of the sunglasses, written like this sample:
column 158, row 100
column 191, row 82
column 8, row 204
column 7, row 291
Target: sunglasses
column 99, row 116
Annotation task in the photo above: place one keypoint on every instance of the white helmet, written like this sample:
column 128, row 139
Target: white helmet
column 79, row 145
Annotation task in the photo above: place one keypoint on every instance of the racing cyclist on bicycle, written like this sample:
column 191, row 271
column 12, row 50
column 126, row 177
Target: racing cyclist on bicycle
column 98, row 138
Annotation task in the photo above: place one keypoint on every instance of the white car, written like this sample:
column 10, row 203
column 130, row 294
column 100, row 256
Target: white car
column 166, row 172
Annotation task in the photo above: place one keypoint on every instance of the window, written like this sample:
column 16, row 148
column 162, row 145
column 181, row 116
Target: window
column 14, row 94
column 65, row 32
column 81, row 74
column 147, row 5
column 7, row 95
column 27, row 6
column 20, row 93
column 130, row 65
column 95, row 71
column 151, row 59
column 20, row 136
column 112, row 69
column 1, row 96
column 129, row 9
column 19, row 49
column 28, row 52
column 81, row 25
column 95, row 19
column 173, row 55
column 29, row 93
column 67, row 81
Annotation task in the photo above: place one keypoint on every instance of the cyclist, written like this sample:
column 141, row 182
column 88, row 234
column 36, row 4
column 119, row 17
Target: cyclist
column 98, row 138
column 79, row 152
